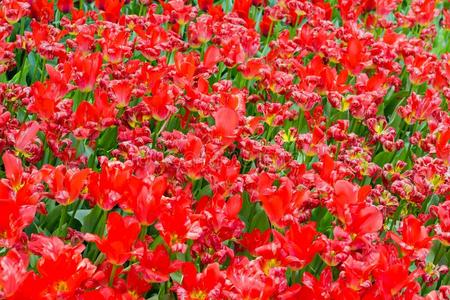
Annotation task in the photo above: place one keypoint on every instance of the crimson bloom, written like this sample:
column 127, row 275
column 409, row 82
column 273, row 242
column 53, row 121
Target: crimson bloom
column 65, row 6
column 203, row 285
column 351, row 209
column 442, row 228
column 18, row 207
column 419, row 109
column 121, row 234
column 227, row 120
column 156, row 265
column 66, row 184
column 87, row 69
column 176, row 226
column 302, row 251
column 13, row 170
column 161, row 102
column 26, row 136
column 122, row 92
column 246, row 149
column 106, row 188
column 205, row 4
column 147, row 205
column 414, row 237
column 276, row 201
column 14, row 10
column 111, row 9
column 13, row 272
column 62, row 269
column 42, row 10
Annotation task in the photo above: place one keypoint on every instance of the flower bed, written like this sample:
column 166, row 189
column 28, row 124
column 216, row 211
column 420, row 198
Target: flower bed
column 225, row 149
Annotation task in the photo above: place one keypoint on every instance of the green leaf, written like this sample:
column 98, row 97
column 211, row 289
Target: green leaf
column 323, row 219
column 205, row 191
column 108, row 139
column 81, row 214
column 51, row 222
column 157, row 241
column 91, row 221
column 260, row 221
column 383, row 157
column 21, row 76
column 177, row 276
column 245, row 212
column 395, row 121
column 393, row 101
column 433, row 200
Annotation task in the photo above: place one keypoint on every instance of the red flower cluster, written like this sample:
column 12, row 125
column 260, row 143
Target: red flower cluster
column 246, row 149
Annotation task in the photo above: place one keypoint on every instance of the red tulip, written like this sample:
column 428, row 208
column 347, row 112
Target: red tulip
column 13, row 170
column 65, row 6
column 147, row 205
column 14, row 10
column 275, row 201
column 13, row 267
column 13, row 219
column 87, row 70
column 200, row 285
column 227, row 120
column 176, row 226
column 122, row 233
column 414, row 237
column 62, row 269
column 156, row 265
column 302, row 251
column 66, row 184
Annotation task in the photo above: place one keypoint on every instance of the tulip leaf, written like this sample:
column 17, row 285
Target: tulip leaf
column 21, row 76
column 260, row 221
column 52, row 219
column 81, row 214
column 177, row 276
column 246, row 209
column 323, row 219
column 108, row 139
column 90, row 221
column 383, row 157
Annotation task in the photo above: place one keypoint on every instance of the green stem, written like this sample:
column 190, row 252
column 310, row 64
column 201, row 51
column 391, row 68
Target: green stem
column 294, row 28
column 113, row 274
column 308, row 159
column 77, row 206
column 164, row 125
column 353, row 125
column 99, row 228
column 397, row 214
column 440, row 251
column 44, row 61
column 251, row 214
column 162, row 290
column 143, row 232
column 269, row 132
column 266, row 44
column 246, row 166
column 301, row 117
column 62, row 221
column 202, row 50
column 141, row 9
column 181, row 31
column 99, row 259
column 22, row 64
column 158, row 126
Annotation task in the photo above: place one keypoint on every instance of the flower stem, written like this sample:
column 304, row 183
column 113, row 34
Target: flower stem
column 62, row 220
column 113, row 274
